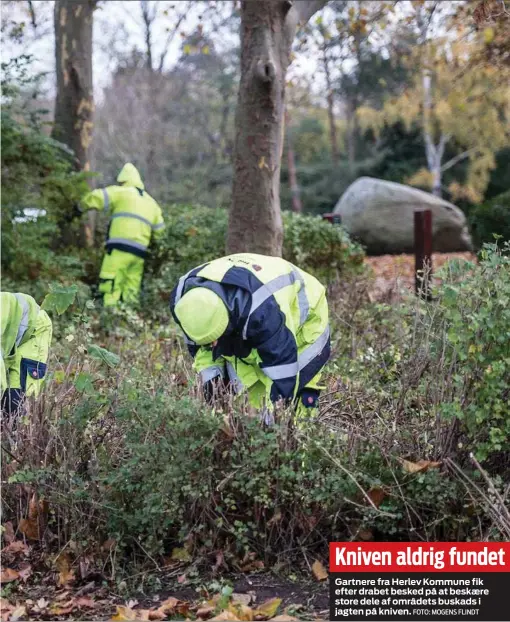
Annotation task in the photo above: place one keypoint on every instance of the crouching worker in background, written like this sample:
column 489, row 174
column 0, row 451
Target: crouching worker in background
column 256, row 323
column 26, row 339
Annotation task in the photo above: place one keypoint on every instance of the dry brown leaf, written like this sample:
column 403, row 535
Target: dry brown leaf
column 124, row 613
column 284, row 618
column 204, row 612
column 169, row 605
column 223, row 616
column 109, row 544
column 8, row 574
column 29, row 528
column 5, row 608
column 8, row 533
column 252, row 566
column 66, row 574
column 15, row 547
column 319, row 572
column 241, row 611
column 420, row 466
column 84, row 601
column 376, row 495
column 268, row 608
column 156, row 615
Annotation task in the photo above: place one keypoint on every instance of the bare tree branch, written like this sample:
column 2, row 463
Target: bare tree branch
column 457, row 158
column 307, row 9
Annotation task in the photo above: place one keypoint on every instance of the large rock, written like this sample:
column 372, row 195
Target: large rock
column 380, row 215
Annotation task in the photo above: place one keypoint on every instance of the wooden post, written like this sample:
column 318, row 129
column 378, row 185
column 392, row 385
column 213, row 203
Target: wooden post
column 423, row 252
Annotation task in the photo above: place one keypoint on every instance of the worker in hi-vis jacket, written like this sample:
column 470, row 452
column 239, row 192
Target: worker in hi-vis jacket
column 134, row 218
column 256, row 323
column 26, row 332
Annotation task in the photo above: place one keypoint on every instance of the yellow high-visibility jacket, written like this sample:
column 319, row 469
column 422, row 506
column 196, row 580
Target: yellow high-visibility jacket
column 277, row 341
column 135, row 215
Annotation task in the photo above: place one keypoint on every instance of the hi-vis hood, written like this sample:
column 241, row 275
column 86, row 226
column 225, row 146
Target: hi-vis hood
column 130, row 176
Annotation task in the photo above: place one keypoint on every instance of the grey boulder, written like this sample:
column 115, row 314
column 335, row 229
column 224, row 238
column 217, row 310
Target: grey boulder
column 379, row 214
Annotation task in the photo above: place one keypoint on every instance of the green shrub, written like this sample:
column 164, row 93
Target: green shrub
column 476, row 315
column 318, row 247
column 196, row 234
column 489, row 218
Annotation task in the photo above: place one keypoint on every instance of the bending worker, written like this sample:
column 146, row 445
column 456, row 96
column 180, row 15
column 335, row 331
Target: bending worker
column 257, row 323
column 26, row 340
column 135, row 217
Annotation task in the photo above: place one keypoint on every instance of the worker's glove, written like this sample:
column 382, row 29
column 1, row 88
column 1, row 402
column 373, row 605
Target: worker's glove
column 309, row 398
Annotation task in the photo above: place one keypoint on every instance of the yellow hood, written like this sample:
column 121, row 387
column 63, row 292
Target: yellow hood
column 130, row 176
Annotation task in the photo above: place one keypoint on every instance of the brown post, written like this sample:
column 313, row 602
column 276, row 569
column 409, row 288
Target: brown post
column 423, row 252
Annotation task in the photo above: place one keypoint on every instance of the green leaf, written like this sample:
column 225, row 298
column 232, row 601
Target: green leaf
column 60, row 298
column 83, row 383
column 103, row 355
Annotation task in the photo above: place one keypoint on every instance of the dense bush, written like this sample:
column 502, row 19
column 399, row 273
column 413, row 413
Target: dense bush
column 197, row 234
column 475, row 311
column 489, row 218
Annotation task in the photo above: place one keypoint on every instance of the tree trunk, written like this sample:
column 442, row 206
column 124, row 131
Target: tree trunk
column 291, row 161
column 74, row 106
column 352, row 131
column 267, row 31
column 331, row 112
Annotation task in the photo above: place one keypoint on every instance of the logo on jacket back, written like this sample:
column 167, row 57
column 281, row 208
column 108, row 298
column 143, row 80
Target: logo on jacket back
column 256, row 267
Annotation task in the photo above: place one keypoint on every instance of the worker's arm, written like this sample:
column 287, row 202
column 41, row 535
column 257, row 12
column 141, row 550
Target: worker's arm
column 100, row 199
column 158, row 228
column 276, row 346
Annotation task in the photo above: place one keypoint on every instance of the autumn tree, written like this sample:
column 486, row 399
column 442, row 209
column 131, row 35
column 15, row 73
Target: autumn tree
column 268, row 28
column 454, row 103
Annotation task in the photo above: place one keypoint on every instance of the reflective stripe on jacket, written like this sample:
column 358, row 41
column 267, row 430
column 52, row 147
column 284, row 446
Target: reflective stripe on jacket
column 278, row 321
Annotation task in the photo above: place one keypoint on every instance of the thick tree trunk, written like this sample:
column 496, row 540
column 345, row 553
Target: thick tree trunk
column 291, row 163
column 267, row 31
column 74, row 107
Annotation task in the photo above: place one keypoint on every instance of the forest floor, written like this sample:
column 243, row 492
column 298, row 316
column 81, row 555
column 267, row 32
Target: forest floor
column 265, row 595
column 394, row 274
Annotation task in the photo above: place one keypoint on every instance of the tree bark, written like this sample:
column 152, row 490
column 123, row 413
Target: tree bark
column 267, row 31
column 291, row 163
column 74, row 106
